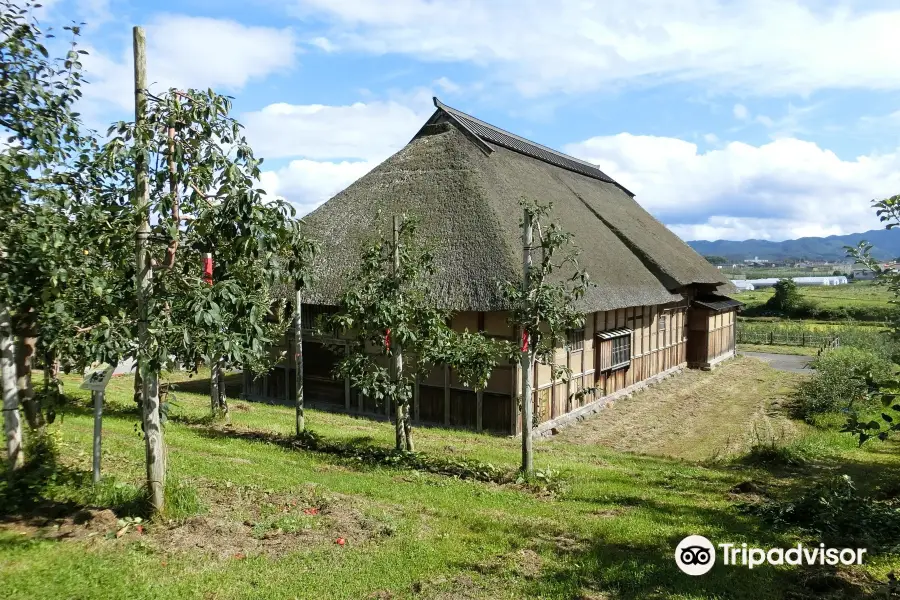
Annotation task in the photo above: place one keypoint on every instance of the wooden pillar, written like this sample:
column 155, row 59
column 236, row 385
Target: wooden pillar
column 479, row 405
column 446, row 395
column 516, row 380
column 347, row 383
column 416, row 413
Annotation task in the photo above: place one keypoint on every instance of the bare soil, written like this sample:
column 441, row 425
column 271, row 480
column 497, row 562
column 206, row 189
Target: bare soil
column 238, row 523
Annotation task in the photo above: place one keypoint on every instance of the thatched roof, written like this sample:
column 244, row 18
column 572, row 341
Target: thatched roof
column 464, row 179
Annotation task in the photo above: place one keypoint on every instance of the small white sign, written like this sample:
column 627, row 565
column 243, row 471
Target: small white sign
column 97, row 378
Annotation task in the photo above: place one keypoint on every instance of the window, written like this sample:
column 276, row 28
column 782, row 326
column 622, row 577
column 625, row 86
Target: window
column 615, row 349
column 662, row 322
column 575, row 339
column 621, row 352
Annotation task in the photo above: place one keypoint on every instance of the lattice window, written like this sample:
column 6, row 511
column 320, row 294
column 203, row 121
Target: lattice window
column 621, row 352
column 575, row 339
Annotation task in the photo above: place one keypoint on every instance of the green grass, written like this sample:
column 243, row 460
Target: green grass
column 861, row 301
column 777, row 349
column 241, row 527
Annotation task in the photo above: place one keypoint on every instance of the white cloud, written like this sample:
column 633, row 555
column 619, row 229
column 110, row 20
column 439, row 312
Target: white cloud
column 765, row 46
column 307, row 183
column 741, row 112
column 335, row 145
column 783, row 189
column 368, row 131
column 710, row 138
column 187, row 52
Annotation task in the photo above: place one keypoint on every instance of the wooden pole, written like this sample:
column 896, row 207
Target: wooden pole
column 155, row 449
column 98, row 432
column 12, row 420
column 298, row 362
column 527, row 352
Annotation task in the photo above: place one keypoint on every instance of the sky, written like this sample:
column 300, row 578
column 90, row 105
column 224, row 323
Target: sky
column 769, row 119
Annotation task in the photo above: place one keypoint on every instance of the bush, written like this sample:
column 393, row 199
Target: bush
column 839, row 381
column 838, row 516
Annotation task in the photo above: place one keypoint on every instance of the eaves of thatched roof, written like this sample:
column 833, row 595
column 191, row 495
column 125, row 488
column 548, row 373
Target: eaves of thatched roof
column 463, row 179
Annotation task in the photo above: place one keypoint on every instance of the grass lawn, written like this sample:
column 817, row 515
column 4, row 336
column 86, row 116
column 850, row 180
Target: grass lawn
column 861, row 300
column 776, row 349
column 254, row 517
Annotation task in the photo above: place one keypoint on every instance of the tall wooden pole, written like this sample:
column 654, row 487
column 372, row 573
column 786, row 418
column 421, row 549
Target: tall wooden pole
column 98, row 433
column 527, row 352
column 11, row 419
column 298, row 361
column 155, row 449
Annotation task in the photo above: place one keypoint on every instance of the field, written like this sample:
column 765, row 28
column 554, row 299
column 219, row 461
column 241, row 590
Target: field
column 255, row 516
column 860, row 301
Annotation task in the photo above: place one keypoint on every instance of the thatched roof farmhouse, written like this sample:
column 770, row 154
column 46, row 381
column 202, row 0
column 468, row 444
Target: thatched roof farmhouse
column 654, row 308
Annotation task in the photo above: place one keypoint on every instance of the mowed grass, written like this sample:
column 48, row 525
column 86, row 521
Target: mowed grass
column 778, row 349
column 635, row 480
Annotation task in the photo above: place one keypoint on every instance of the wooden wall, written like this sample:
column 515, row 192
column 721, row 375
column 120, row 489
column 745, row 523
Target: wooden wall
column 712, row 335
column 440, row 398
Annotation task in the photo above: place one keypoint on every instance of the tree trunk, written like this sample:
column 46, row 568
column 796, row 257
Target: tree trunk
column 298, row 363
column 223, row 400
column 407, row 428
column 527, row 352
column 214, row 386
column 401, row 426
column 25, row 349
column 138, row 388
column 11, row 418
column 154, row 447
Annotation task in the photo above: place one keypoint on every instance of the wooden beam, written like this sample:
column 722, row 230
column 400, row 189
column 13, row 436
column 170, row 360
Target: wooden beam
column 347, row 383
column 446, row 394
column 479, row 405
column 416, row 414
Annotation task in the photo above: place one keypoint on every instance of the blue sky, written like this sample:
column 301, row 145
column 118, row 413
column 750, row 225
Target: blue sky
column 767, row 118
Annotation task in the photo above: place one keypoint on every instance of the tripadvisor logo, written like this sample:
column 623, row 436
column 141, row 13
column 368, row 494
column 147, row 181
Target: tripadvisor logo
column 696, row 555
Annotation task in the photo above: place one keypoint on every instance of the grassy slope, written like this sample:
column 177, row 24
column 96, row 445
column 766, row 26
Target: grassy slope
column 610, row 535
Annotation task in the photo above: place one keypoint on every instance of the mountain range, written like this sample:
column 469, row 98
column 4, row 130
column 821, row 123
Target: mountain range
column 885, row 245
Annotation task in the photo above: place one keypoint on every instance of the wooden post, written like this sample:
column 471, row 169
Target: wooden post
column 287, row 379
column 479, row 408
column 527, row 352
column 446, row 395
column 298, row 362
column 417, row 415
column 347, row 382
column 98, row 432
column 12, row 420
column 154, row 446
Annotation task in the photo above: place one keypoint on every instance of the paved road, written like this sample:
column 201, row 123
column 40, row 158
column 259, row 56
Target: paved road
column 783, row 362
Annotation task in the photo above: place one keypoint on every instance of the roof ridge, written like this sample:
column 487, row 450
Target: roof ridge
column 588, row 169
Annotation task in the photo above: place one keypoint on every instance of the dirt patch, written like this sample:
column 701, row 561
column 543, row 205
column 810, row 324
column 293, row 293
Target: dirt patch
column 240, row 522
column 243, row 522
column 63, row 522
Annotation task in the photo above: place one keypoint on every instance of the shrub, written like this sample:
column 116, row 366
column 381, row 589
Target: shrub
column 839, row 381
column 837, row 515
column 787, row 297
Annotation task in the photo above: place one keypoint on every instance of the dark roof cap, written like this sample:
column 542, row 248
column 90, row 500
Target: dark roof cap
column 494, row 135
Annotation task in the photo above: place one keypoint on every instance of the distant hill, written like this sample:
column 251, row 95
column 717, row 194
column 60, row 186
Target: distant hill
column 886, row 245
